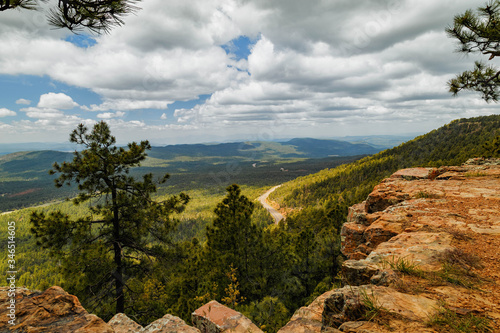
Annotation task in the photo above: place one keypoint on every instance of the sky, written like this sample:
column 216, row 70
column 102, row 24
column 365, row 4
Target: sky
column 197, row 71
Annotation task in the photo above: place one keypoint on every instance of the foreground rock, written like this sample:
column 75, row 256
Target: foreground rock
column 123, row 324
column 169, row 324
column 53, row 311
column 214, row 317
column 308, row 318
column 366, row 302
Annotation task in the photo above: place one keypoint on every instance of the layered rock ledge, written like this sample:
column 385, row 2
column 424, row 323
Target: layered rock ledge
column 425, row 242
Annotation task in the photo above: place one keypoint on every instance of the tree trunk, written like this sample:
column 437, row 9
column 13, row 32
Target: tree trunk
column 118, row 274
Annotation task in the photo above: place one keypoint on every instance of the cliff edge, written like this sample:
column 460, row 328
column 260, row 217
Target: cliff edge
column 423, row 254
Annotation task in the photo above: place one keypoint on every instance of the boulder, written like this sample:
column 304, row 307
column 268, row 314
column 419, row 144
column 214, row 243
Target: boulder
column 414, row 173
column 351, row 303
column 343, row 305
column 307, row 318
column 381, row 231
column 421, row 249
column 214, row 317
column 169, row 324
column 383, row 196
column 53, row 311
column 351, row 236
column 357, row 214
column 123, row 324
column 358, row 272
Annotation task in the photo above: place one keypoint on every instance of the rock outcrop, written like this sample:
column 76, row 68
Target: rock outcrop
column 53, row 311
column 123, row 324
column 169, row 324
column 214, row 317
column 424, row 243
column 308, row 318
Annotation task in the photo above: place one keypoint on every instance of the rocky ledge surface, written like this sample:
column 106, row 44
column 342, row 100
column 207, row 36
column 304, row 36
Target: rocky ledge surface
column 422, row 256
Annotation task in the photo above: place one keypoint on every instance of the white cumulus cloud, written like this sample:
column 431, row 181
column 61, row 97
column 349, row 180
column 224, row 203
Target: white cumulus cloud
column 6, row 112
column 56, row 101
column 23, row 101
column 110, row 115
column 328, row 68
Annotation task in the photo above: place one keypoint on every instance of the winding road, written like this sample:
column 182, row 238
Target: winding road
column 274, row 213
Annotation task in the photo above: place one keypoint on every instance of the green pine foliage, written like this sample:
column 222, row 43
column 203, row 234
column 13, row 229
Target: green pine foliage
column 478, row 32
column 76, row 15
column 124, row 230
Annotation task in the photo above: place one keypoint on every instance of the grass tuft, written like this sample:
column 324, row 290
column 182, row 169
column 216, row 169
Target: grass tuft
column 372, row 306
column 475, row 174
column 447, row 320
column 458, row 268
column 427, row 195
column 404, row 266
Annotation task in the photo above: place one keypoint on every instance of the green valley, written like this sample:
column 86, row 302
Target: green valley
column 24, row 179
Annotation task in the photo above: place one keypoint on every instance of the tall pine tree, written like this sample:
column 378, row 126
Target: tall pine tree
column 234, row 240
column 125, row 229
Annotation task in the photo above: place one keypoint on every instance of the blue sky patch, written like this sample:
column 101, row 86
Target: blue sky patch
column 31, row 87
column 240, row 47
column 83, row 41
column 188, row 104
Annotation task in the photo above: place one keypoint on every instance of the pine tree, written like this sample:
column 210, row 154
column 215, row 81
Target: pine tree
column 125, row 229
column 233, row 239
column 492, row 147
column 478, row 32
column 96, row 15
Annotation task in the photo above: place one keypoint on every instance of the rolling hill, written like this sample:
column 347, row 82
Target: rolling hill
column 24, row 179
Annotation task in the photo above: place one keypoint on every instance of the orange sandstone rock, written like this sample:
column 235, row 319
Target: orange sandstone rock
column 53, row 311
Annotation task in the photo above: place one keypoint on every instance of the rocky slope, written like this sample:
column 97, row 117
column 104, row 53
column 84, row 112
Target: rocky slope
column 423, row 254
column 422, row 257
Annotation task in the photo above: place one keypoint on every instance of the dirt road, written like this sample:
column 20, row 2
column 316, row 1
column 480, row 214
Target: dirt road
column 274, row 213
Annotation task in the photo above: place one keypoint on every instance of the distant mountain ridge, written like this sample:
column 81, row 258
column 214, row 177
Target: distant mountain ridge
column 24, row 178
column 377, row 141
column 317, row 148
column 299, row 148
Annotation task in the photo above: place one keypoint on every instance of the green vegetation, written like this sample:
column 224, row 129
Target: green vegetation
column 458, row 268
column 125, row 228
column 404, row 266
column 426, row 195
column 77, row 15
column 477, row 32
column 372, row 306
